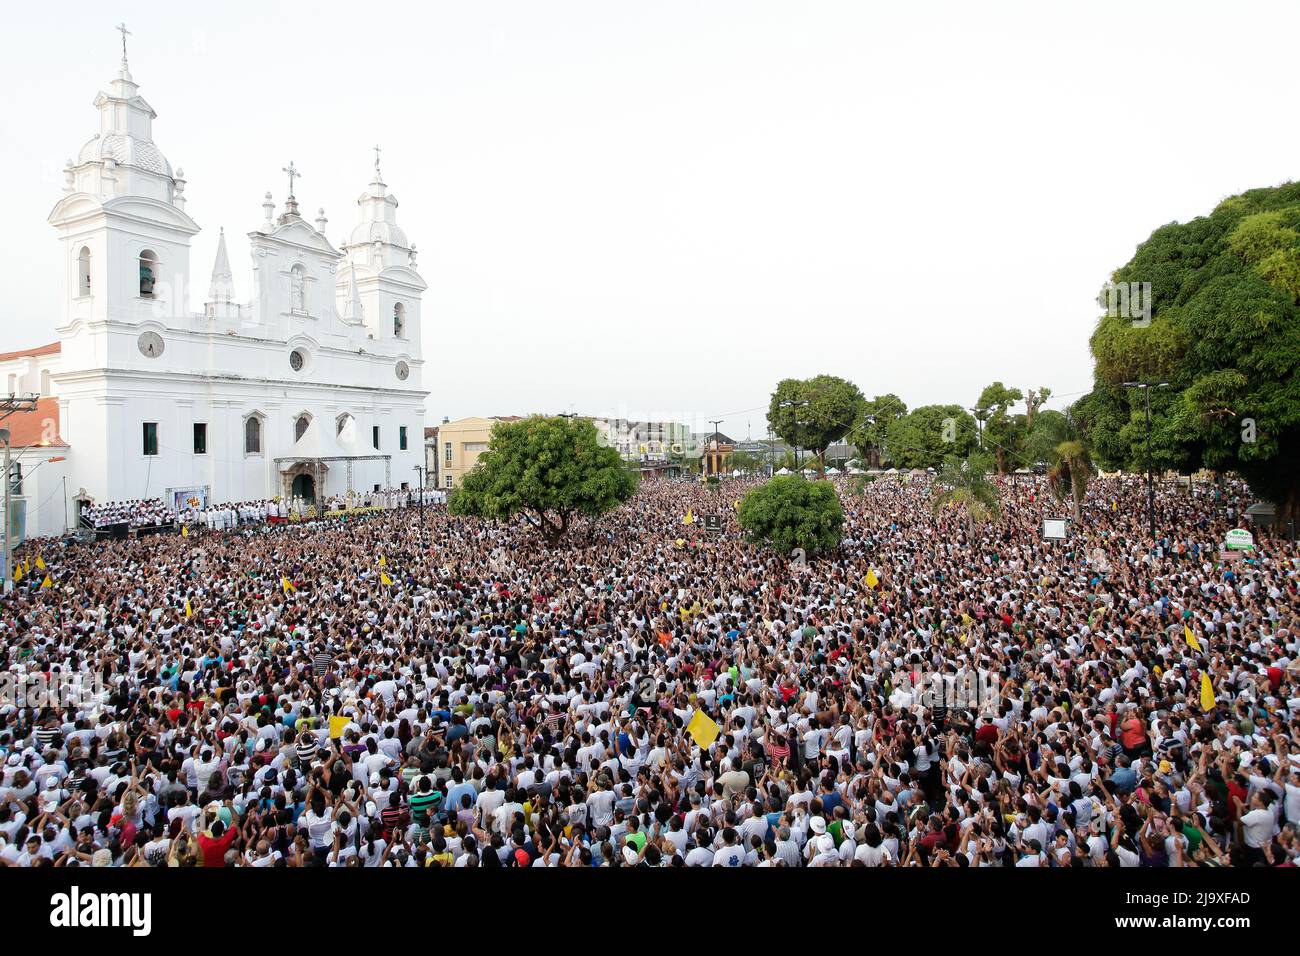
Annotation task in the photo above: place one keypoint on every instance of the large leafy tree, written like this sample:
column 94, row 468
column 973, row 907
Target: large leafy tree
column 549, row 470
column 1225, row 333
column 871, row 434
column 791, row 512
column 927, row 435
column 812, row 413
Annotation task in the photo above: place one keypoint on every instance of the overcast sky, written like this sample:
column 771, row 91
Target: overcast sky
column 662, row 208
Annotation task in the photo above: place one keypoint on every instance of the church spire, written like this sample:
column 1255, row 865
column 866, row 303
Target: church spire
column 125, row 72
column 355, row 313
column 291, row 204
column 222, row 287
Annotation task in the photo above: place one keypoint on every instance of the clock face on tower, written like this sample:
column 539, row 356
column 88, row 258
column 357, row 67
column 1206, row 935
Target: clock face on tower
column 151, row 344
column 403, row 371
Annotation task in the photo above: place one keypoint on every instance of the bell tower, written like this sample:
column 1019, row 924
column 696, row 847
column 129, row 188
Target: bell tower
column 122, row 225
column 379, row 285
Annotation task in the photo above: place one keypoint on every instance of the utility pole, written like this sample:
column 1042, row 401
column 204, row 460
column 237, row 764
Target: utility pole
column 1151, row 488
column 420, row 471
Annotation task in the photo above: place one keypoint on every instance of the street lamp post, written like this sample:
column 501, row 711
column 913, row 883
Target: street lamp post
column 715, row 422
column 1151, row 488
column 9, row 564
column 420, row 471
column 795, row 404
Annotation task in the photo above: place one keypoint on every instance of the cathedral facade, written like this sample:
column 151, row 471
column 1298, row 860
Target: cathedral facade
column 312, row 388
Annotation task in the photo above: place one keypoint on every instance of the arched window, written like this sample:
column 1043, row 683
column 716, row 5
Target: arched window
column 298, row 288
column 345, row 427
column 399, row 321
column 252, row 435
column 83, row 271
column 148, row 273
column 300, row 426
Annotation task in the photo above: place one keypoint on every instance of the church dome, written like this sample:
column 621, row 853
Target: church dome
column 378, row 230
column 126, row 150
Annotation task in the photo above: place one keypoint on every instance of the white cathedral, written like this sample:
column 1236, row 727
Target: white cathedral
column 311, row 389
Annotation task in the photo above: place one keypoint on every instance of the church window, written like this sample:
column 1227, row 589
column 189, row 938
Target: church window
column 83, row 271
column 345, row 427
column 401, row 437
column 200, row 438
column 150, row 436
column 399, row 321
column 298, row 289
column 297, row 359
column 300, row 426
column 374, row 436
column 252, row 435
column 148, row 273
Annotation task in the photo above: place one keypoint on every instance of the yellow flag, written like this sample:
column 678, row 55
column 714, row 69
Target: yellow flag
column 189, row 611
column 40, row 562
column 1190, row 638
column 690, row 517
column 286, row 584
column 18, row 573
column 1114, row 506
column 47, row 583
column 336, row 726
column 872, row 580
column 384, row 579
column 27, row 565
column 1207, row 693
column 703, row 730
column 383, row 562
column 185, row 531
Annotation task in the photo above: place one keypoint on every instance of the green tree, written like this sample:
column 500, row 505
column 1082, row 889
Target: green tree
column 1034, row 400
column 965, row 485
column 871, row 434
column 1225, row 333
column 549, row 470
column 791, row 512
column 925, row 436
column 824, row 409
column 1002, row 432
column 1068, row 476
column 745, row 461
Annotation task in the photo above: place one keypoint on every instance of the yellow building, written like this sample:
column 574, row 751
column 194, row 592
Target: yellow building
column 460, row 443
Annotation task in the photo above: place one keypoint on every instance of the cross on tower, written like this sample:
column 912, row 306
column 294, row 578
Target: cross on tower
column 121, row 28
column 292, row 173
column 376, row 149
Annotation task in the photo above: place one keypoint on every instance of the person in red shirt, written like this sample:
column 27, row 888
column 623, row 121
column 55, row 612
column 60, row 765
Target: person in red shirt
column 215, row 842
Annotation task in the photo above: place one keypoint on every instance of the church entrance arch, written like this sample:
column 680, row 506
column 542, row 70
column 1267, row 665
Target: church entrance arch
column 304, row 487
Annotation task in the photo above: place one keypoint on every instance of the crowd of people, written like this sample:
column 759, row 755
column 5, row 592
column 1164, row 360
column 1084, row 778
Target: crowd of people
column 153, row 512
column 419, row 689
column 138, row 513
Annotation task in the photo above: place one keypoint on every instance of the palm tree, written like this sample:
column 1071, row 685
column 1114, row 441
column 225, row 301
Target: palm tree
column 1071, row 467
column 965, row 485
